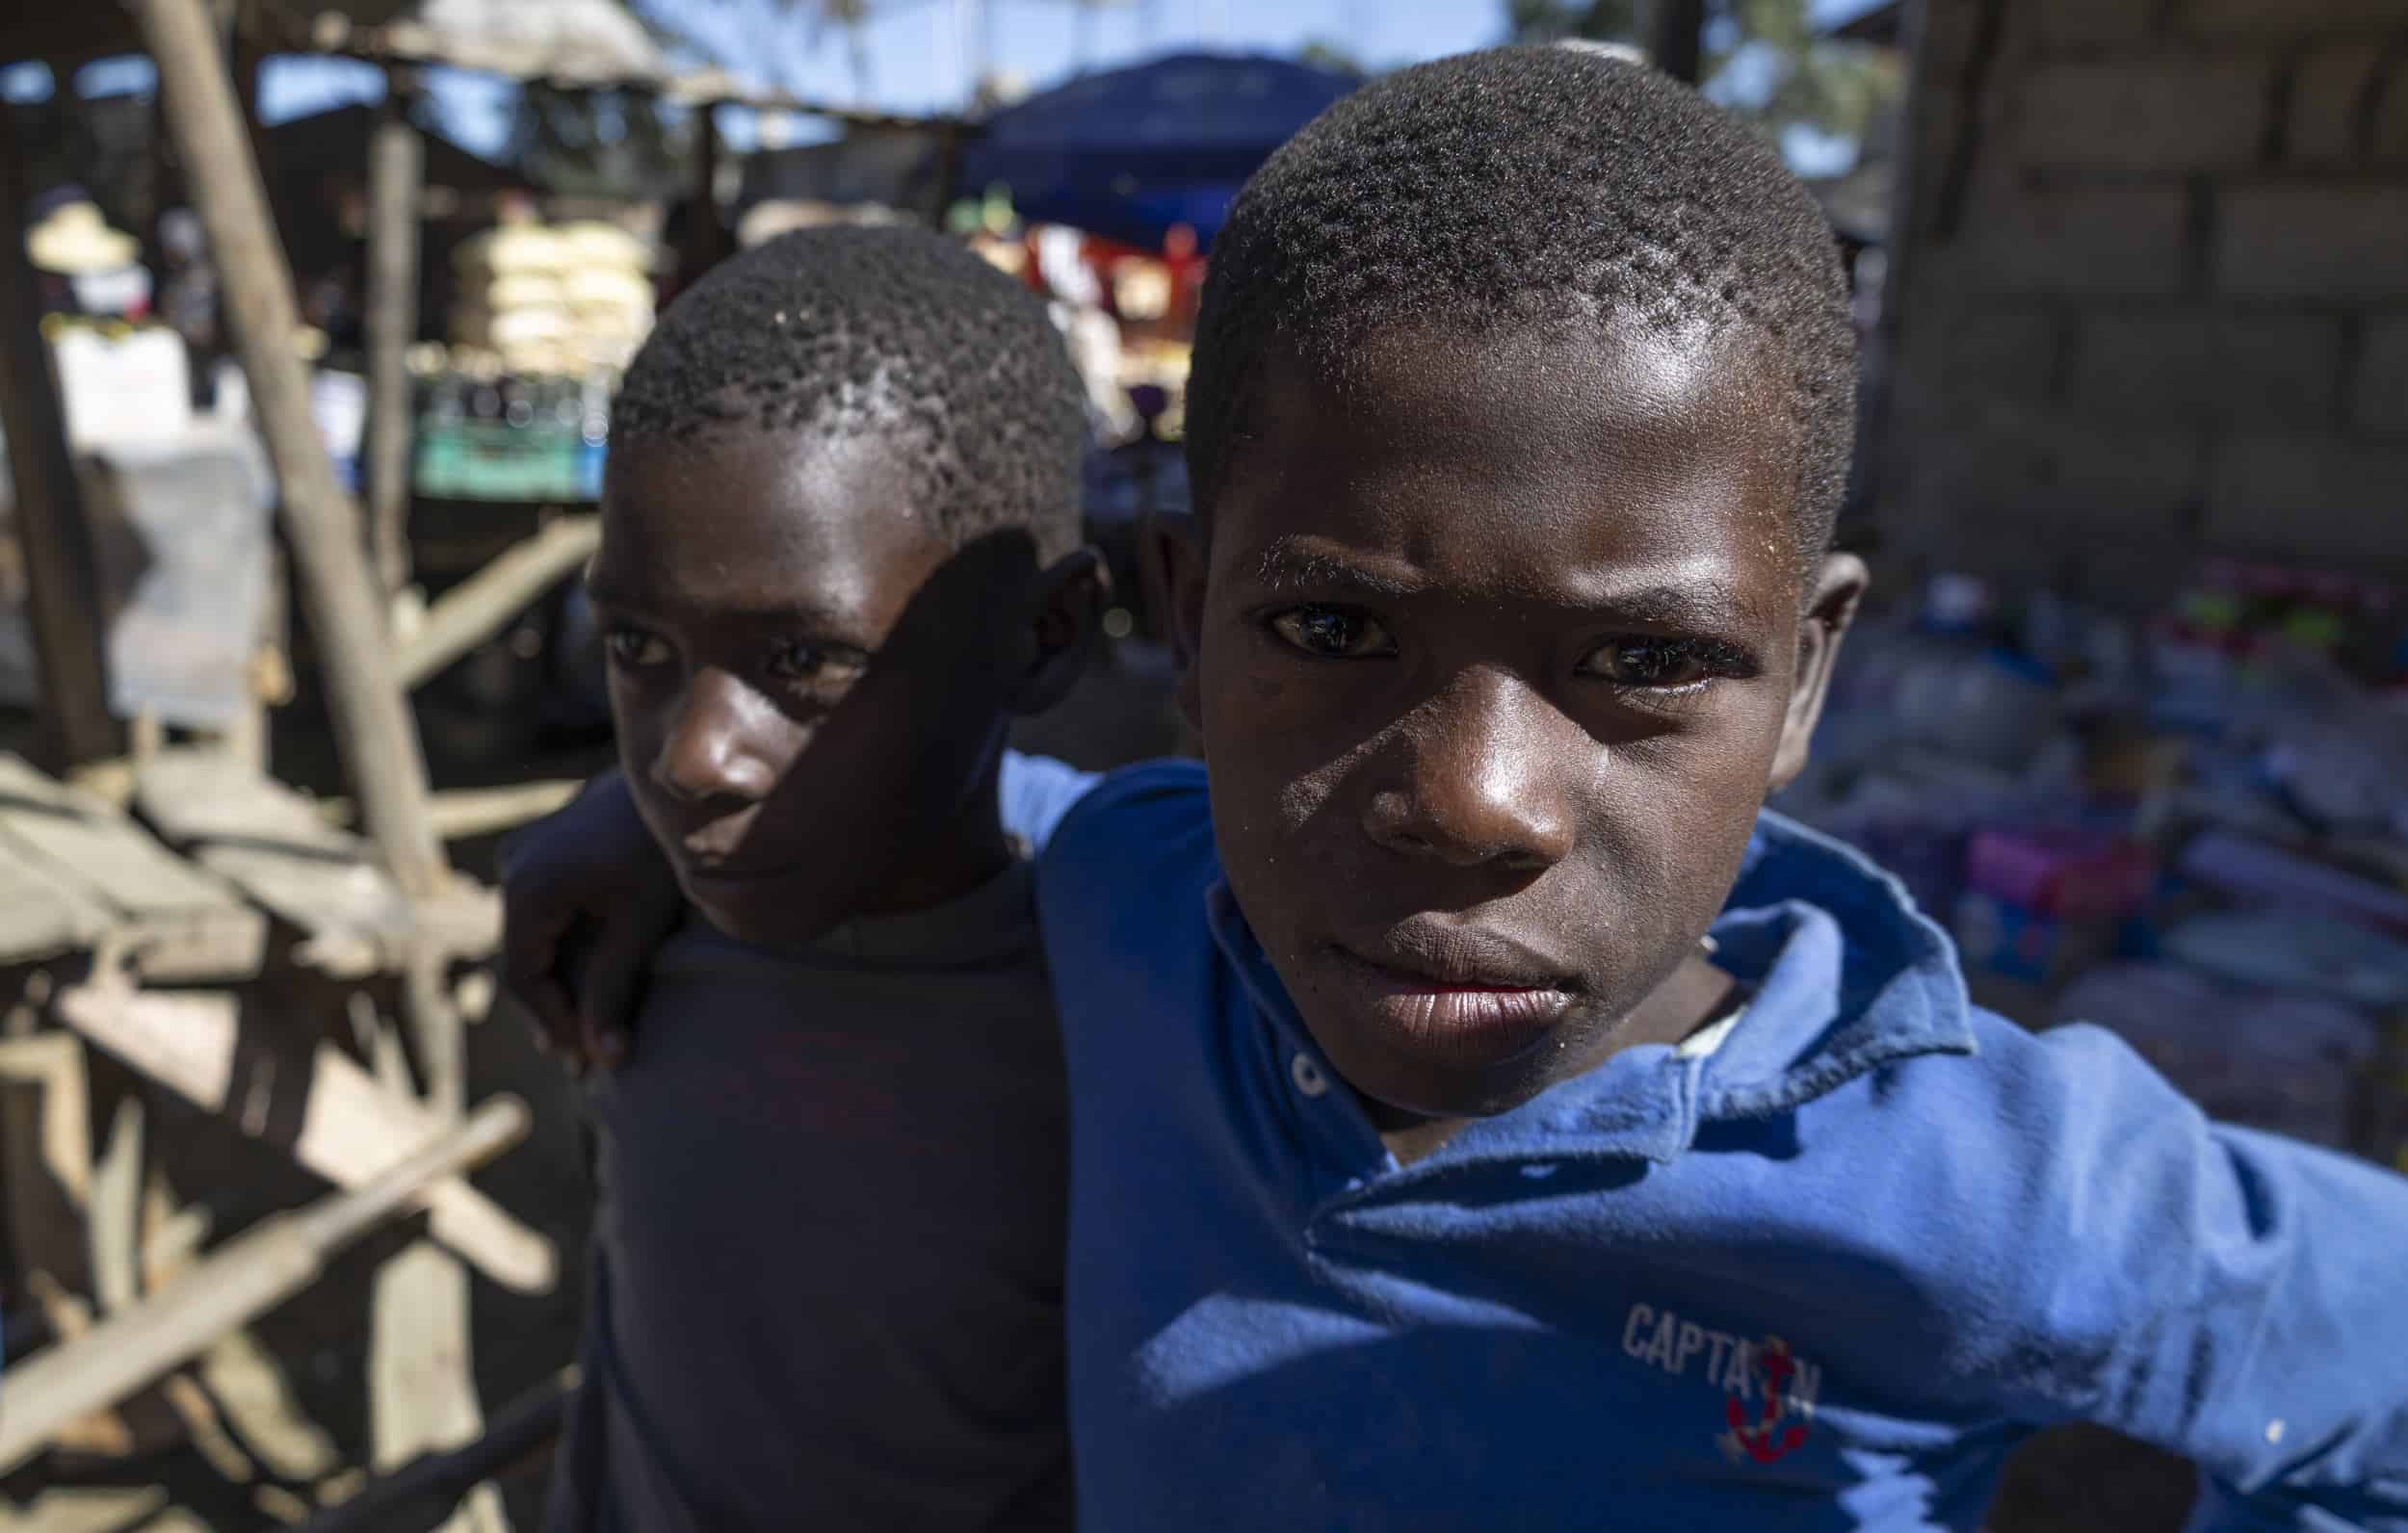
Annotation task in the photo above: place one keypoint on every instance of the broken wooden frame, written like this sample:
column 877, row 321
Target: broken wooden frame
column 252, row 1274
column 421, row 1492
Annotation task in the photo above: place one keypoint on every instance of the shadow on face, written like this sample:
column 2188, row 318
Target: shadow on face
column 810, row 681
column 1497, row 648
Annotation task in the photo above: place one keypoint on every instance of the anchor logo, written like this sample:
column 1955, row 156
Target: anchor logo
column 1766, row 1439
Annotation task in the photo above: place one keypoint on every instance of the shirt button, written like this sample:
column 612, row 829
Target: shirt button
column 1307, row 1075
column 2274, row 1430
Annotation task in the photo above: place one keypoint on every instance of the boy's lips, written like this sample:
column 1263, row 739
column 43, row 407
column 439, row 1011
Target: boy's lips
column 1442, row 956
column 1471, row 996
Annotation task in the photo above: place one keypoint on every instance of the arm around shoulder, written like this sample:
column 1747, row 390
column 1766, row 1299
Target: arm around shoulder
column 586, row 898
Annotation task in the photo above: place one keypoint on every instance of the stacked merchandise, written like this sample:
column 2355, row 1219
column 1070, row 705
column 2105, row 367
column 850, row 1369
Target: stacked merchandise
column 546, row 320
column 2193, row 832
column 564, row 301
column 485, row 434
column 87, row 267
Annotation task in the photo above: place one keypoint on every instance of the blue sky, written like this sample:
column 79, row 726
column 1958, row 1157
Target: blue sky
column 921, row 52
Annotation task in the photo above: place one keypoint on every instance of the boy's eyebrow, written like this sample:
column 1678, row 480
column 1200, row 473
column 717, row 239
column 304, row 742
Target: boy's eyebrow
column 1290, row 564
column 1293, row 565
column 604, row 592
column 1698, row 604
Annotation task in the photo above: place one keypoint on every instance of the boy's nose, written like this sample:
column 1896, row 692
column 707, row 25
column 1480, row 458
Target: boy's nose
column 714, row 748
column 1479, row 785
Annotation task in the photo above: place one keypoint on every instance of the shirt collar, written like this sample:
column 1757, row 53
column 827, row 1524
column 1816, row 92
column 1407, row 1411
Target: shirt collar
column 1847, row 974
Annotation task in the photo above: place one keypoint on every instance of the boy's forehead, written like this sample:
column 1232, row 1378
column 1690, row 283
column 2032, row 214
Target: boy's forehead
column 1542, row 444
column 1643, row 380
column 723, row 514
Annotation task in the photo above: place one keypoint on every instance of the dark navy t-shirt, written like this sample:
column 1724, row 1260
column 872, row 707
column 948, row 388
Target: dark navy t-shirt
column 828, row 1254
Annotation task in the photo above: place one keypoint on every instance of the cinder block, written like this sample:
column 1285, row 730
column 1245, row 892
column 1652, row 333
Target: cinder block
column 2275, row 20
column 2190, row 365
column 2038, row 498
column 2310, row 496
column 2329, row 124
column 1994, row 353
column 2382, row 402
column 2144, row 114
column 2390, row 145
column 2124, row 240
column 2082, row 23
column 2312, row 242
column 1950, row 33
column 2140, row 479
column 2324, row 103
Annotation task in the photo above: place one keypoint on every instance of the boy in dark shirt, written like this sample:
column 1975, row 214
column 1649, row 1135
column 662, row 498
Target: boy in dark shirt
column 1488, row 1115
column 839, row 553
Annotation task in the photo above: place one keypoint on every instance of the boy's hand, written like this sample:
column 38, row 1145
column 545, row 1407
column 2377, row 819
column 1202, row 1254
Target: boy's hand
column 586, row 900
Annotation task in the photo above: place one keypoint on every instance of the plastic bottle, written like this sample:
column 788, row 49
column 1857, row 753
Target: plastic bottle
column 592, row 436
column 442, row 438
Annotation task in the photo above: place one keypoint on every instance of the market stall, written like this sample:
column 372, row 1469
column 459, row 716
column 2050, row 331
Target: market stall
column 253, row 999
column 2191, row 831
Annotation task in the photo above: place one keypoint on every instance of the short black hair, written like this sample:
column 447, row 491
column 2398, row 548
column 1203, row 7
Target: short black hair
column 889, row 328
column 1517, row 184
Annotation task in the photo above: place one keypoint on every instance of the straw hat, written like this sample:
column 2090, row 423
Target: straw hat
column 74, row 240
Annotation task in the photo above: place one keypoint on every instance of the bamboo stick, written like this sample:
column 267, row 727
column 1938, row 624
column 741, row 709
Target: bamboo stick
column 62, row 586
column 352, row 1128
column 479, row 606
column 395, row 179
column 372, row 721
column 252, row 1274
column 423, row 1491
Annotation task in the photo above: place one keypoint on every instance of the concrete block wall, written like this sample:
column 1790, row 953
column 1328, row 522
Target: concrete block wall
column 2149, row 296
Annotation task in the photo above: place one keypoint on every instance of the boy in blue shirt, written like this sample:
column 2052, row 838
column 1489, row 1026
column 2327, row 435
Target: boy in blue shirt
column 1486, row 1115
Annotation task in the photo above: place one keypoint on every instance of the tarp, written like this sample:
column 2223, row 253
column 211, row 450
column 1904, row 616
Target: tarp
column 1131, row 152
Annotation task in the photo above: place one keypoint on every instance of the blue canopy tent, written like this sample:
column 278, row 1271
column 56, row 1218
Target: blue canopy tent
column 1130, row 153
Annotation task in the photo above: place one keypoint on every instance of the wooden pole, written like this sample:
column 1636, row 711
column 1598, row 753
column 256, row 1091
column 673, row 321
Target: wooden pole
column 478, row 608
column 423, row 1491
column 352, row 1128
column 372, row 721
column 705, row 240
column 1676, row 37
column 251, row 1275
column 948, row 152
column 62, row 592
column 396, row 183
column 241, row 33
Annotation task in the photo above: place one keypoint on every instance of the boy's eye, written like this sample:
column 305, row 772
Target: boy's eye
column 1333, row 634
column 1667, row 664
column 635, row 648
column 816, row 663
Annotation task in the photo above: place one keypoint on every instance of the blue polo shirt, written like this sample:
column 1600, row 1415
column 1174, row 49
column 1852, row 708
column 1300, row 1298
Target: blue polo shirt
column 1820, row 1270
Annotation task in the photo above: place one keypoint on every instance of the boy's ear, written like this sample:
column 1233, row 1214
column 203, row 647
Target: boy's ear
column 1174, row 557
column 1067, row 614
column 1830, row 607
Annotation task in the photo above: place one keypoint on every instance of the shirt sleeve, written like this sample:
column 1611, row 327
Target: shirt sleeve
column 2246, row 1297
column 1036, row 791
